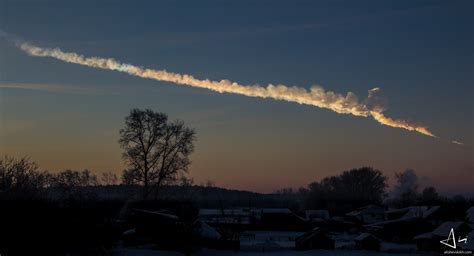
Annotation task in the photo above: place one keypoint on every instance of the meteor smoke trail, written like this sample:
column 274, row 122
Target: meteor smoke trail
column 316, row 96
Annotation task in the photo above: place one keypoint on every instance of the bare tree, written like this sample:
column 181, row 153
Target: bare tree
column 75, row 184
column 109, row 178
column 71, row 178
column 21, row 177
column 155, row 150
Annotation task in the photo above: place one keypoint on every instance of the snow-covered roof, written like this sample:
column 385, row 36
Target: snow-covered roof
column 208, row 232
column 276, row 210
column 443, row 229
column 366, row 210
column 414, row 212
column 428, row 235
column 470, row 214
column 159, row 214
column 430, row 211
column 317, row 214
column 228, row 212
column 203, row 212
column 469, row 245
column 364, row 236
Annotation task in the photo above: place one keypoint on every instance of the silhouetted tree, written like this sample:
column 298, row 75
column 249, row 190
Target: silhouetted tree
column 70, row 178
column 21, row 177
column 109, row 178
column 406, row 188
column 75, row 184
column 352, row 188
column 429, row 195
column 357, row 187
column 364, row 184
column 155, row 150
column 185, row 181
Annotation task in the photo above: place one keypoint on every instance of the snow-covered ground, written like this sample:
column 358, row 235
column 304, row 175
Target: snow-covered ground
column 209, row 252
column 275, row 243
column 267, row 240
column 300, row 253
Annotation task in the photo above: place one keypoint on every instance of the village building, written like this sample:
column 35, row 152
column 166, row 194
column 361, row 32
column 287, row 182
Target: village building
column 366, row 241
column 316, row 215
column 314, row 239
column 366, row 215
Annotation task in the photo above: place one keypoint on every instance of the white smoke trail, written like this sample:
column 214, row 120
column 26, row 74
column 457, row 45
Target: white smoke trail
column 316, row 96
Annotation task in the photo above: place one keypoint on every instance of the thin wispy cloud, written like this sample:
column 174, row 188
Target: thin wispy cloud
column 50, row 88
column 315, row 96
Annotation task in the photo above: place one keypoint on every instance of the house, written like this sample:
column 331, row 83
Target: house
column 341, row 225
column 154, row 227
column 412, row 213
column 316, row 215
column 282, row 219
column 399, row 230
column 366, row 241
column 314, row 239
column 205, row 232
column 367, row 214
column 226, row 217
column 405, row 223
column 211, row 238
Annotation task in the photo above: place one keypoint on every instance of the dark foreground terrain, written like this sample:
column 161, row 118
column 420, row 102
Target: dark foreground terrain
column 196, row 220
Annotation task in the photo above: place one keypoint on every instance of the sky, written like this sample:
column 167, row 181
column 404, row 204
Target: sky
column 419, row 53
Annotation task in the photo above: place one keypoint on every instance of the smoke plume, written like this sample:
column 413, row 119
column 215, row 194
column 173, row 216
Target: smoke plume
column 315, row 96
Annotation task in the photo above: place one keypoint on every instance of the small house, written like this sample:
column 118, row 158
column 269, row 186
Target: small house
column 316, row 215
column 366, row 215
column 366, row 241
column 281, row 219
column 314, row 239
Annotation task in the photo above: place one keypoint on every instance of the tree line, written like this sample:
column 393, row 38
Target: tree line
column 156, row 153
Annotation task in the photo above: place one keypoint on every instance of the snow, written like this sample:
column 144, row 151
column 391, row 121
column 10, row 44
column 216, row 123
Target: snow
column 398, row 248
column 469, row 245
column 317, row 214
column 206, row 231
column 363, row 236
column 444, row 229
column 276, row 210
column 219, row 212
column 367, row 210
column 210, row 252
column 264, row 240
column 160, row 214
column 428, row 235
column 129, row 232
column 470, row 214
column 143, row 252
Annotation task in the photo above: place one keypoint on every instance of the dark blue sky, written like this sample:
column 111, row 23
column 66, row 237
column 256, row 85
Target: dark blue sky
column 419, row 52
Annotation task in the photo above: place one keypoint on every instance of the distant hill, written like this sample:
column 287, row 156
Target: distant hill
column 203, row 196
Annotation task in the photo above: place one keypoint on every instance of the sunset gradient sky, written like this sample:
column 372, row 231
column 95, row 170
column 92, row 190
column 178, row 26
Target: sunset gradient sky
column 420, row 53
